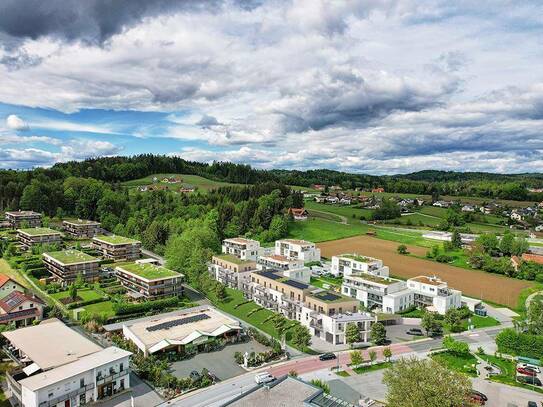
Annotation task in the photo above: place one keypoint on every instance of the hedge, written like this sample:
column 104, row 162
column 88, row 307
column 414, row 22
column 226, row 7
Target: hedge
column 39, row 273
column 73, row 305
column 516, row 343
column 126, row 308
column 115, row 290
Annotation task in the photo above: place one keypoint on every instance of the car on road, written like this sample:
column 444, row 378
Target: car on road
column 526, row 371
column 529, row 380
column 327, row 356
column 264, row 377
column 415, row 332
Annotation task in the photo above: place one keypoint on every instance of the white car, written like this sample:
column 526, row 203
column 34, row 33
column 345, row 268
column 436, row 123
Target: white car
column 264, row 377
column 529, row 366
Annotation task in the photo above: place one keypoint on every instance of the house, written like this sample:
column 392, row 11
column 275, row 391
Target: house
column 172, row 180
column 442, row 204
column 321, row 199
column 231, row 270
column 186, row 189
column 298, row 213
column 468, row 208
column 117, row 247
column 516, row 215
column 180, row 330
column 540, row 205
column 149, row 281
column 319, row 187
column 345, row 201
column 279, row 262
column 143, row 188
column 7, row 286
column 67, row 265
column 58, row 366
column 378, row 190
column 21, row 309
column 38, row 236
column 347, row 264
column 298, row 249
column 332, row 199
column 245, row 249
column 80, row 228
column 419, row 201
column 28, row 219
column 433, row 294
column 539, row 228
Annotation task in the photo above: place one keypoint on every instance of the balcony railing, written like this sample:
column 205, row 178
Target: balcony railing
column 67, row 396
column 109, row 378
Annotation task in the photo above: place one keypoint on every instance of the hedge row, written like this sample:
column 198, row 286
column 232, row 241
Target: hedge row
column 73, row 305
column 115, row 290
column 127, row 308
column 520, row 344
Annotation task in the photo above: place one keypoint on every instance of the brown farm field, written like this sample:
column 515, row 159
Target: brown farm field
column 473, row 283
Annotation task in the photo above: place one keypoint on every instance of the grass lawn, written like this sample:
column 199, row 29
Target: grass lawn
column 201, row 183
column 86, row 294
column 406, row 237
column 480, row 322
column 343, row 210
column 508, row 372
column 418, row 219
column 372, row 368
column 343, row 373
column 460, row 363
column 6, row 269
column 104, row 308
column 320, row 230
column 416, row 313
column 319, row 281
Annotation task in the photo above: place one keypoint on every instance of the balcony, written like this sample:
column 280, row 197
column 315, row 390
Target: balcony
column 67, row 396
column 114, row 375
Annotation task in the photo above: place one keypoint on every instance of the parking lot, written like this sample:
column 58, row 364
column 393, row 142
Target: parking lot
column 220, row 363
column 398, row 333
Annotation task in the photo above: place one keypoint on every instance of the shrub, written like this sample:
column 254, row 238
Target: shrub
column 158, row 305
column 73, row 305
column 520, row 344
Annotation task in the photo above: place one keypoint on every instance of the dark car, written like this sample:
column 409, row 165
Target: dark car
column 532, row 404
column 415, row 332
column 195, row 376
column 479, row 394
column 327, row 356
column 529, row 380
column 477, row 398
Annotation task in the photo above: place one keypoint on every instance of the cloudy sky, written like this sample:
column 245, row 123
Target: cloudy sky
column 362, row 86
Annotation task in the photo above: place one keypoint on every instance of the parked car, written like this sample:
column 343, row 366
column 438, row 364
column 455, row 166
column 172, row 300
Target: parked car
column 327, row 356
column 195, row 376
column 415, row 332
column 526, row 371
column 532, row 404
column 532, row 367
column 264, row 377
column 529, row 380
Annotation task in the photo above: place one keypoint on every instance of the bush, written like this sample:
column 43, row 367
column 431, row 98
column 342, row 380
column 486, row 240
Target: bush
column 444, row 258
column 516, row 343
column 158, row 305
column 73, row 305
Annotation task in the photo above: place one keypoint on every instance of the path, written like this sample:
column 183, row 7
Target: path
column 532, row 296
column 342, row 217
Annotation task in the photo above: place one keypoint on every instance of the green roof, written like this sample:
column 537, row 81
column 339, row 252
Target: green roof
column 375, row 279
column 356, row 257
column 81, row 221
column 39, row 231
column 331, row 297
column 115, row 239
column 231, row 258
column 67, row 257
column 149, row 271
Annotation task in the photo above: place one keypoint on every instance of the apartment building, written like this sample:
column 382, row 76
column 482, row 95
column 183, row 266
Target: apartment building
column 278, row 262
column 149, row 281
column 67, row 265
column 117, row 247
column 327, row 314
column 370, row 290
column 347, row 264
column 434, row 294
column 21, row 309
column 34, row 236
column 231, row 270
column 7, row 286
column 245, row 249
column 80, row 228
column 298, row 249
column 29, row 219
column 73, row 371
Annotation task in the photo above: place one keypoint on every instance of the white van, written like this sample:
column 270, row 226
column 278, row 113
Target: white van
column 264, row 377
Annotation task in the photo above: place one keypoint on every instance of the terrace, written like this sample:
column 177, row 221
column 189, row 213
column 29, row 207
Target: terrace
column 231, row 259
column 373, row 279
column 356, row 257
column 329, row 297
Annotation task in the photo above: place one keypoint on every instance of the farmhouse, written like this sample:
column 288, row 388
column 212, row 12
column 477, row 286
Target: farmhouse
column 27, row 218
column 35, row 236
column 379, row 190
column 298, row 213
column 231, row 270
column 21, row 309
column 181, row 330
column 117, row 247
column 245, row 249
column 298, row 249
column 67, row 265
column 7, row 286
column 80, row 228
column 149, row 281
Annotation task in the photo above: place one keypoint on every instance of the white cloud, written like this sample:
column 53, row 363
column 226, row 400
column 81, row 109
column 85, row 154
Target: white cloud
column 14, row 122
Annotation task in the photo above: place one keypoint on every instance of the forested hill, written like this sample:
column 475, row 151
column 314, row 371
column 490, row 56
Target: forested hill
column 114, row 170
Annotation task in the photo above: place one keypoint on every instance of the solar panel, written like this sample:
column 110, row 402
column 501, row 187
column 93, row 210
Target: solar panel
column 270, row 275
column 296, row 284
column 328, row 296
column 177, row 322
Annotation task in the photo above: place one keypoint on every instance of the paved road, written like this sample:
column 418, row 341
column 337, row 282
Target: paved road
column 149, row 253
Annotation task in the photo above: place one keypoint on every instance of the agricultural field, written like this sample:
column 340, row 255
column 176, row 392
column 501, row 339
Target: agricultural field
column 351, row 213
column 321, row 230
column 474, row 283
column 203, row 184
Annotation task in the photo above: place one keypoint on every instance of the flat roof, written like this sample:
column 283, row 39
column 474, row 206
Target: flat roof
column 297, row 241
column 232, row 259
column 428, row 280
column 72, row 369
column 278, row 258
column 373, row 279
column 179, row 325
column 148, row 271
column 357, row 257
column 72, row 256
column 330, row 297
column 81, row 222
column 240, row 240
column 39, row 231
column 51, row 343
column 115, row 239
column 23, row 213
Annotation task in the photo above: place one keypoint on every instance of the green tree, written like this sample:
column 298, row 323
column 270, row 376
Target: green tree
column 488, row 242
column 431, row 324
column 456, row 240
column 454, row 346
column 413, row 383
column 352, row 333
column 372, row 355
column 402, row 249
column 220, row 292
column 506, row 243
column 534, row 315
column 356, row 358
column 378, row 333
column 301, row 337
column 73, row 292
column 387, row 353
column 453, row 319
column 520, row 246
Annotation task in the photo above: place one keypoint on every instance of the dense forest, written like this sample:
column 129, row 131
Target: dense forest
column 19, row 188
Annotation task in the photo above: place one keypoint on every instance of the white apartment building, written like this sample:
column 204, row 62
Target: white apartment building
column 347, row 264
column 58, row 366
column 278, row 262
column 245, row 249
column 231, row 270
column 434, row 294
column 373, row 291
column 298, row 249
column 302, row 274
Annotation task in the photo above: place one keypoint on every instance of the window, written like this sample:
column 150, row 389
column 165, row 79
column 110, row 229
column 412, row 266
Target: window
column 121, row 367
column 82, row 382
column 50, row 395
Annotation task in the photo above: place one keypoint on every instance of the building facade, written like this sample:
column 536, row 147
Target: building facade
column 231, row 270
column 79, row 228
column 67, row 265
column 35, row 236
column 149, row 281
column 117, row 247
column 21, row 309
column 278, row 262
column 298, row 249
column 371, row 290
column 347, row 264
column 29, row 219
column 7, row 286
column 245, row 249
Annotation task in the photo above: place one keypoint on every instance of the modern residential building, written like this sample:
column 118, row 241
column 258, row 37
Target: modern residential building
column 34, row 236
column 117, row 247
column 231, row 270
column 21, row 309
column 7, row 286
column 245, row 249
column 67, row 265
column 29, row 219
column 370, row 290
column 81, row 228
column 347, row 264
column 180, row 330
column 278, row 262
column 434, row 294
column 149, row 281
column 302, row 274
column 298, row 249
column 58, row 366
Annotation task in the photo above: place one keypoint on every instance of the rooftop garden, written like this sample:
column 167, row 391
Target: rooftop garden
column 356, row 257
column 231, row 258
column 375, row 279
column 115, row 239
column 82, row 222
column 330, row 297
column 39, row 231
column 149, row 271
column 71, row 256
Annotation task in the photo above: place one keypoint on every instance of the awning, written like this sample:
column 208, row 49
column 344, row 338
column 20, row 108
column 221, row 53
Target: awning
column 30, row 369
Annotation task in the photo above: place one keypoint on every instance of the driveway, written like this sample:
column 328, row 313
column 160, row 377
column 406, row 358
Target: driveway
column 500, row 395
column 397, row 333
column 143, row 396
column 220, row 363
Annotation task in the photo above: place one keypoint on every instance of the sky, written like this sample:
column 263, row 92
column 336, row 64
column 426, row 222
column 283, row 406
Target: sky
column 377, row 87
